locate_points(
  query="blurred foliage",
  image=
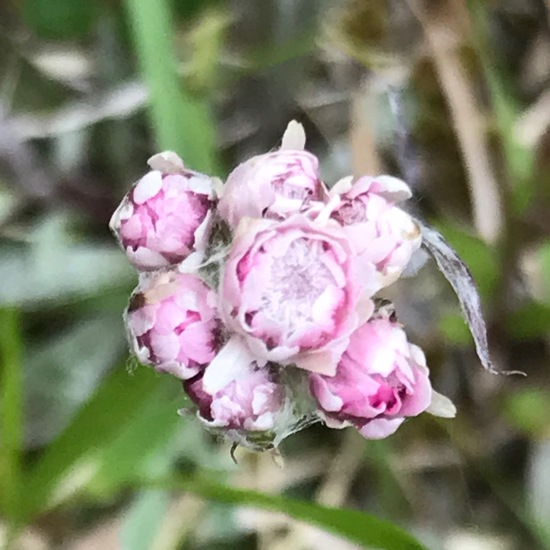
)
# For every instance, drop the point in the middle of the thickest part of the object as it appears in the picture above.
(93, 451)
(59, 19)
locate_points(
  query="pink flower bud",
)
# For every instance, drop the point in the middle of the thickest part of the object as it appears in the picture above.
(293, 289)
(251, 402)
(274, 185)
(379, 230)
(171, 323)
(166, 215)
(381, 379)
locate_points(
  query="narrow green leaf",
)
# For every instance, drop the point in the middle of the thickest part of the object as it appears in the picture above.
(75, 457)
(11, 411)
(144, 520)
(180, 121)
(69, 363)
(354, 525)
(146, 514)
(153, 424)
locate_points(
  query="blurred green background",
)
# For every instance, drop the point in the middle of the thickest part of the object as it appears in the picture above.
(93, 454)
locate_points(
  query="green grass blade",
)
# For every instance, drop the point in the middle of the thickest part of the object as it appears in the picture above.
(11, 412)
(75, 458)
(519, 159)
(356, 526)
(180, 121)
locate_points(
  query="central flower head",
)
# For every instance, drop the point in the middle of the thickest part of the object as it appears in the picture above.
(290, 287)
(304, 293)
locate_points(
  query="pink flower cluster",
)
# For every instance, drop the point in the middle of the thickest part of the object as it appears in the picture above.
(260, 294)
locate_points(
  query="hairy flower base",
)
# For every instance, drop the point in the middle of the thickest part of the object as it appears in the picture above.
(258, 409)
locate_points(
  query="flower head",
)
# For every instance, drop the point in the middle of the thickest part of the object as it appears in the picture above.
(378, 230)
(294, 288)
(274, 185)
(166, 215)
(251, 402)
(172, 324)
(381, 379)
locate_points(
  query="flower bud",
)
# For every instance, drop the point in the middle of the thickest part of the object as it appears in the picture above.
(380, 231)
(251, 402)
(274, 185)
(381, 379)
(166, 215)
(171, 323)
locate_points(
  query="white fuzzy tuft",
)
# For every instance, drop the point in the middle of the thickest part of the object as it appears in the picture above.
(166, 162)
(294, 137)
